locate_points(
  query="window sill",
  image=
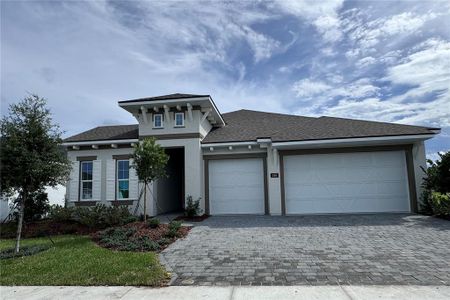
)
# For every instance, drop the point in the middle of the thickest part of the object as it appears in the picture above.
(179, 126)
(157, 127)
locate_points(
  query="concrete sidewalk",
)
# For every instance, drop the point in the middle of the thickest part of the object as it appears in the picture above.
(235, 293)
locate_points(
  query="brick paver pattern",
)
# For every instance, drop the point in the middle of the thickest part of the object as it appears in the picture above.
(313, 250)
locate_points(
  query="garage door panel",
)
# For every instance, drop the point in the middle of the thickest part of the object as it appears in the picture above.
(236, 186)
(346, 183)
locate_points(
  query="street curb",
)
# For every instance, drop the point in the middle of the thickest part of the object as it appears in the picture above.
(168, 268)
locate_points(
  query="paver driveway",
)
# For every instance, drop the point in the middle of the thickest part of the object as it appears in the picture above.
(350, 249)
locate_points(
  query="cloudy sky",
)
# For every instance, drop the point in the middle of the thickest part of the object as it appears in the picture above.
(383, 61)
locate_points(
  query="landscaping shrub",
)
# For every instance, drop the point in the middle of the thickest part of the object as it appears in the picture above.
(440, 204)
(436, 185)
(139, 236)
(153, 222)
(125, 239)
(192, 207)
(24, 251)
(60, 213)
(43, 228)
(174, 226)
(98, 216)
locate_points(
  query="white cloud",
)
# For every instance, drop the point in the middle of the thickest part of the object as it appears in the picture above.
(308, 88)
(405, 22)
(366, 61)
(427, 70)
(367, 34)
(322, 14)
(321, 92)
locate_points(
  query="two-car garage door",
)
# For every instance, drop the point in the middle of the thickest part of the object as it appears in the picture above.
(356, 182)
(346, 183)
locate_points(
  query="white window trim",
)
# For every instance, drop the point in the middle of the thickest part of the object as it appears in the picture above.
(117, 180)
(182, 118)
(85, 180)
(154, 121)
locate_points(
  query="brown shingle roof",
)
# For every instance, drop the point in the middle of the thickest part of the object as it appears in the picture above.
(118, 132)
(247, 125)
(165, 97)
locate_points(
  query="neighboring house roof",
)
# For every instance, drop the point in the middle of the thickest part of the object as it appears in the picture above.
(118, 132)
(166, 97)
(247, 125)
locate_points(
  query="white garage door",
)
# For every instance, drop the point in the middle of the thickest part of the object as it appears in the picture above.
(346, 183)
(236, 186)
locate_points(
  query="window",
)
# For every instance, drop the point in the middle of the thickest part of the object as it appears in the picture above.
(158, 121)
(179, 119)
(123, 179)
(86, 180)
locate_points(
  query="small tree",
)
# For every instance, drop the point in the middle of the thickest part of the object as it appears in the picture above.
(31, 155)
(150, 161)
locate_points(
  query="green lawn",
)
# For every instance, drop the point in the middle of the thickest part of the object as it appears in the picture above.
(76, 260)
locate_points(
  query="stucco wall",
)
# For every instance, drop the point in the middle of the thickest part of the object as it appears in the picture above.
(190, 126)
(104, 155)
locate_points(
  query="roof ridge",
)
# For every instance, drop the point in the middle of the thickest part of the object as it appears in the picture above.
(379, 122)
(268, 113)
(118, 125)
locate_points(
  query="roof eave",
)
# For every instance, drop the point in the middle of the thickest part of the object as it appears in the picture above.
(127, 104)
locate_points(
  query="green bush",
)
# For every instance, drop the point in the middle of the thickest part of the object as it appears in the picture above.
(24, 251)
(192, 207)
(98, 216)
(124, 239)
(436, 186)
(153, 223)
(60, 213)
(174, 226)
(441, 204)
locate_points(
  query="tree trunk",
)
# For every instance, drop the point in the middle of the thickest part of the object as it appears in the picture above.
(145, 202)
(19, 225)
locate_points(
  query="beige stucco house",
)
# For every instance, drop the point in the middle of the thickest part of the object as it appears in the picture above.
(250, 162)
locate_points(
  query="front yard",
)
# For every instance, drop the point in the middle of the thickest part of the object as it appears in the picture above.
(77, 260)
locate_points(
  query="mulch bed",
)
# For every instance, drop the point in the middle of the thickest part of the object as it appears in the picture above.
(192, 219)
(45, 228)
(155, 233)
(142, 230)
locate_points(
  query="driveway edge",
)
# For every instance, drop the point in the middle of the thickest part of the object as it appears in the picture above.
(165, 264)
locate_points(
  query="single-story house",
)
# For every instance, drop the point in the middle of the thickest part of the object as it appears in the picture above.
(250, 162)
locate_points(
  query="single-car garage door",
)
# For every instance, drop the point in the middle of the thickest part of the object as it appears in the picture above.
(355, 182)
(236, 186)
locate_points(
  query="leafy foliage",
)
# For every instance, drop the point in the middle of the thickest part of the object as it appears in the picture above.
(31, 154)
(36, 206)
(192, 207)
(153, 222)
(149, 160)
(174, 226)
(436, 185)
(124, 239)
(98, 216)
(441, 204)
